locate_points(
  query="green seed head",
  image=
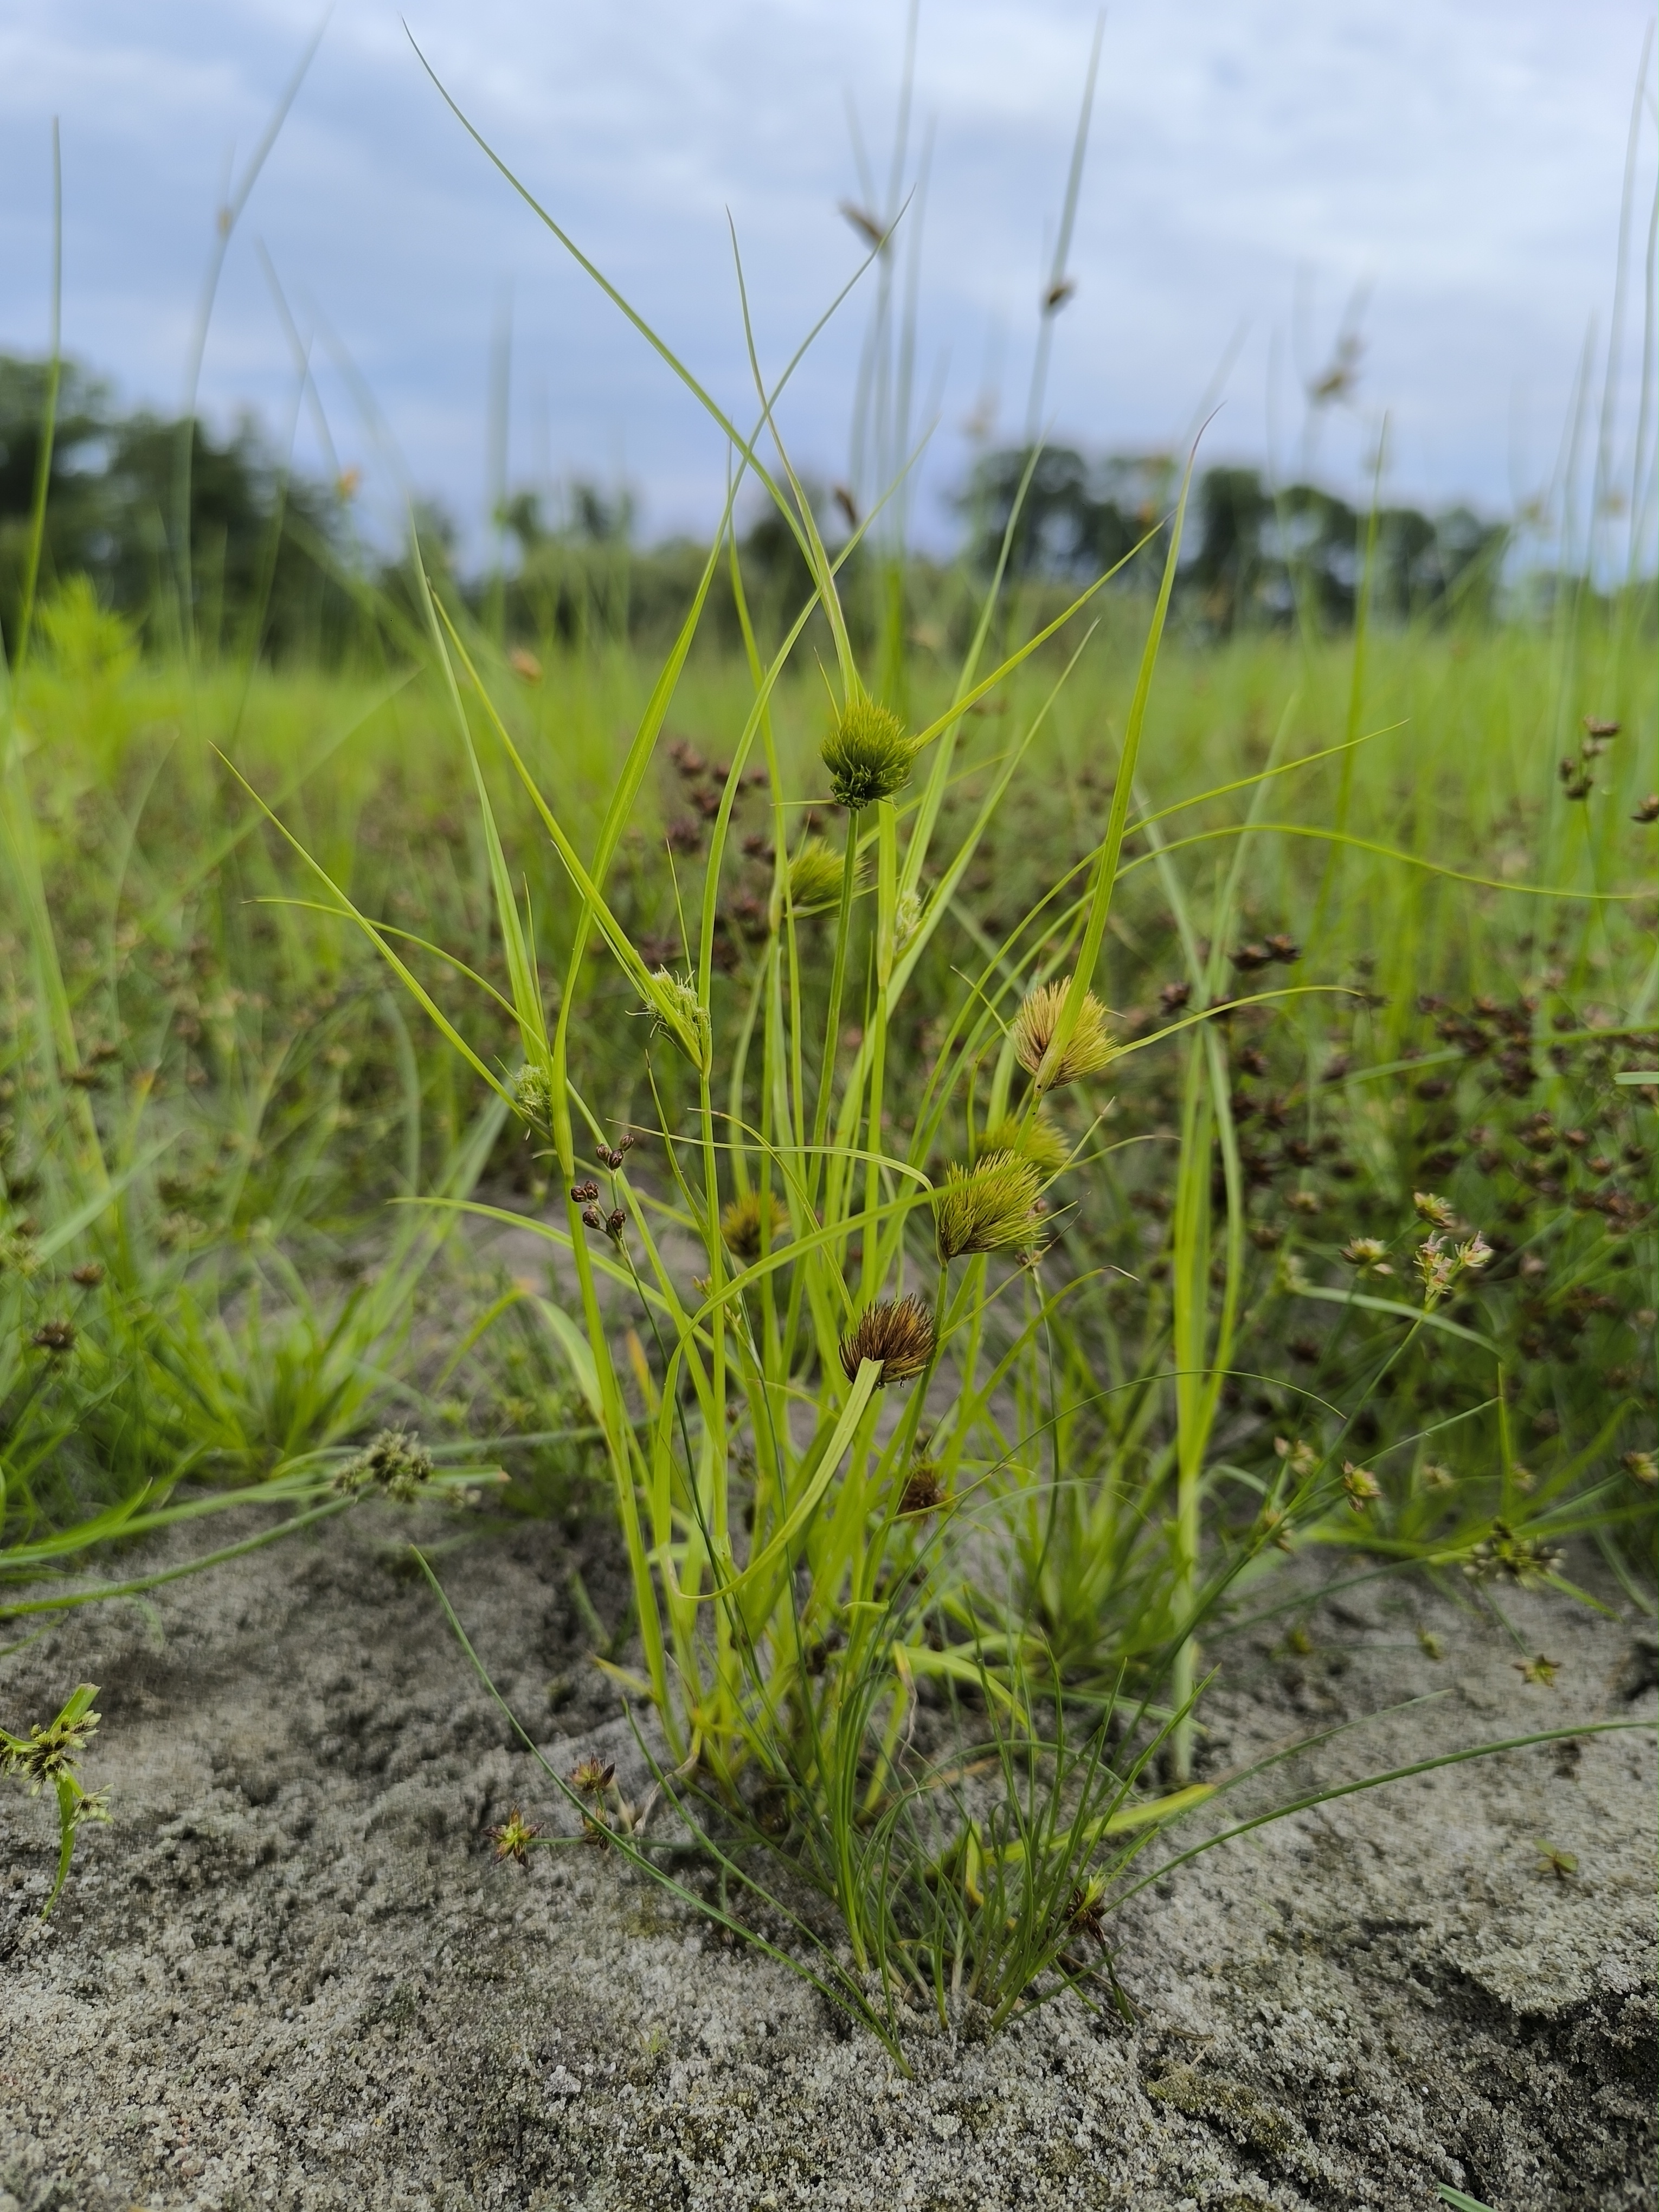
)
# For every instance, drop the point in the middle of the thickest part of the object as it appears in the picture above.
(689, 1023)
(532, 1096)
(815, 876)
(868, 755)
(989, 1208)
(1036, 1139)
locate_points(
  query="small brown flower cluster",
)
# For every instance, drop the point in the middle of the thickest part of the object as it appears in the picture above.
(1576, 781)
(923, 1492)
(1250, 957)
(594, 1780)
(705, 783)
(1489, 1028)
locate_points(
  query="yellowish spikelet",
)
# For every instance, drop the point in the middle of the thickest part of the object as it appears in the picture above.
(988, 1207)
(1089, 1048)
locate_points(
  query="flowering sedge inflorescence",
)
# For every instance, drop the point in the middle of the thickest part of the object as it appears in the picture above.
(991, 1207)
(748, 1224)
(868, 755)
(47, 1758)
(395, 1463)
(1033, 1137)
(680, 1013)
(513, 1837)
(897, 1334)
(1439, 1262)
(1088, 1049)
(814, 879)
(1528, 1561)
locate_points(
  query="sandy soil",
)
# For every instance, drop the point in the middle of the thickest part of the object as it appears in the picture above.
(291, 1974)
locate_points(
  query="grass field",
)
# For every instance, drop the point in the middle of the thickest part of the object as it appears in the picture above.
(1330, 1227)
(971, 1130)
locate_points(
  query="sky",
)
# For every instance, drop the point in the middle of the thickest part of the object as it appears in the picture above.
(1447, 174)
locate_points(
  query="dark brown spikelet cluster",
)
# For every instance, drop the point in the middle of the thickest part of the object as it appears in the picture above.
(1250, 958)
(897, 1334)
(923, 1492)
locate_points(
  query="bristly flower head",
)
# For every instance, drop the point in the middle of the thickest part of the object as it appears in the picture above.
(1528, 1561)
(1364, 1251)
(1436, 1210)
(54, 1338)
(988, 1207)
(868, 755)
(1361, 1485)
(815, 876)
(1089, 1050)
(687, 1024)
(745, 1223)
(395, 1462)
(897, 1334)
(1036, 1139)
(923, 1492)
(46, 1753)
(532, 1096)
(514, 1837)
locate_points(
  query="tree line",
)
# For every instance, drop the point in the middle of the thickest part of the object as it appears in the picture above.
(184, 531)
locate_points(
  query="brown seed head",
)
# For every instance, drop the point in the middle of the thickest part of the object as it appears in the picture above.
(897, 1334)
(922, 1492)
(746, 1223)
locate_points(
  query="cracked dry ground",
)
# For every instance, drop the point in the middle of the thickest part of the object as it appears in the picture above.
(290, 1973)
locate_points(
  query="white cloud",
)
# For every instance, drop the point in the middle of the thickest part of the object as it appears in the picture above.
(1462, 157)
